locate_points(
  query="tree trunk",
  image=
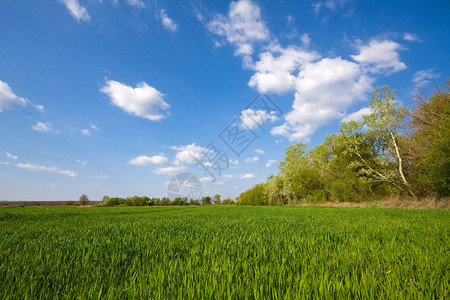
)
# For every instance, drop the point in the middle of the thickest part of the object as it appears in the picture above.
(400, 166)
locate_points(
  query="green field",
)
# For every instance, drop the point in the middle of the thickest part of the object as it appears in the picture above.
(224, 252)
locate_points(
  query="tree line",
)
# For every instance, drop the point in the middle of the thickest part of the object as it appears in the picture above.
(165, 201)
(392, 151)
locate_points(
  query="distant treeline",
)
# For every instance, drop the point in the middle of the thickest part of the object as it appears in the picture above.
(392, 151)
(146, 201)
(42, 203)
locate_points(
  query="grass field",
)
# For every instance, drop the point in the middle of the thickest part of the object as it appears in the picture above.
(224, 252)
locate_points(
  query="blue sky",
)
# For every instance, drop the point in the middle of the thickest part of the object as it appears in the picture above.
(114, 97)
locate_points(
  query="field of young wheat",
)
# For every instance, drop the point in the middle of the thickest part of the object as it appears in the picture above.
(223, 252)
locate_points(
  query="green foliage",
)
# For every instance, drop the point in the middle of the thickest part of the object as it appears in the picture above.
(216, 199)
(228, 201)
(254, 196)
(206, 200)
(165, 201)
(224, 252)
(429, 146)
(83, 200)
(370, 159)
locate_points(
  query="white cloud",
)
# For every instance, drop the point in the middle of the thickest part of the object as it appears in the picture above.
(247, 176)
(142, 101)
(44, 127)
(251, 119)
(306, 40)
(259, 151)
(169, 170)
(93, 127)
(136, 3)
(234, 161)
(324, 91)
(8, 99)
(103, 177)
(275, 68)
(332, 5)
(206, 179)
(188, 153)
(242, 27)
(167, 22)
(76, 10)
(252, 159)
(86, 132)
(220, 183)
(228, 176)
(39, 107)
(323, 87)
(270, 162)
(380, 56)
(411, 37)
(81, 162)
(357, 115)
(143, 160)
(10, 156)
(35, 167)
(423, 77)
(6, 163)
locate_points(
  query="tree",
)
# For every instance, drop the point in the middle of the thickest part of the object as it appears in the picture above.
(105, 198)
(375, 140)
(165, 201)
(216, 199)
(83, 199)
(206, 200)
(429, 144)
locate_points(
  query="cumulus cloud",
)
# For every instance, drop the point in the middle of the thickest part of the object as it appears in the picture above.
(142, 101)
(8, 99)
(76, 10)
(103, 177)
(324, 90)
(86, 132)
(10, 156)
(423, 77)
(380, 56)
(259, 151)
(270, 162)
(167, 22)
(252, 118)
(242, 27)
(169, 170)
(305, 39)
(234, 162)
(357, 115)
(228, 176)
(188, 153)
(5, 163)
(247, 176)
(35, 167)
(44, 127)
(252, 159)
(143, 160)
(274, 72)
(411, 37)
(323, 87)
